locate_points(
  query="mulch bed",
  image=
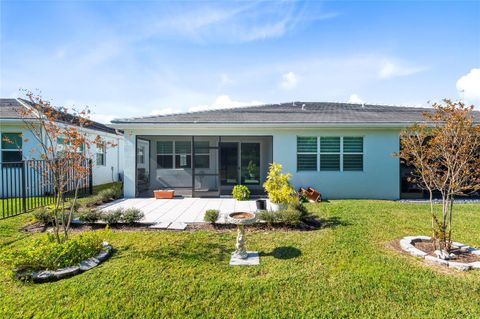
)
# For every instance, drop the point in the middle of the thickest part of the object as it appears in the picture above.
(308, 224)
(462, 256)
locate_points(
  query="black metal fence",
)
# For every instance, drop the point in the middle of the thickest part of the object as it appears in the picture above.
(27, 185)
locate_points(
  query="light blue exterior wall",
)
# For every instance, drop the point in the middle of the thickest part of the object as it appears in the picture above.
(101, 174)
(380, 178)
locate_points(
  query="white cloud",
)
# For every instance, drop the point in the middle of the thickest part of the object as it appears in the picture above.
(225, 79)
(237, 22)
(102, 118)
(390, 69)
(355, 99)
(164, 111)
(223, 102)
(289, 81)
(468, 86)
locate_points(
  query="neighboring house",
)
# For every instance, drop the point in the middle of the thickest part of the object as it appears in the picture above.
(107, 162)
(342, 150)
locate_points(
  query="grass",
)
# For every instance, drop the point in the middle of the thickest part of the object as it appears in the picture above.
(343, 270)
(12, 206)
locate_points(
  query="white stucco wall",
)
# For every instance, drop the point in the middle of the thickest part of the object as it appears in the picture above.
(379, 179)
(101, 174)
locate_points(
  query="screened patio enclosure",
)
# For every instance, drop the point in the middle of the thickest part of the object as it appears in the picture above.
(201, 166)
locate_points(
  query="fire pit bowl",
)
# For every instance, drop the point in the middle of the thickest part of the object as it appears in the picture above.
(241, 219)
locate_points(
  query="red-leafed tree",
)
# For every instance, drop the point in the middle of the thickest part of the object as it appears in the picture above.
(445, 153)
(64, 146)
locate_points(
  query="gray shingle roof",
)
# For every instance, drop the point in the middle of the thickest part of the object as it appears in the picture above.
(297, 112)
(10, 108)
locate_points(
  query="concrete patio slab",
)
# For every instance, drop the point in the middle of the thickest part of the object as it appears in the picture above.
(161, 212)
(162, 225)
(177, 226)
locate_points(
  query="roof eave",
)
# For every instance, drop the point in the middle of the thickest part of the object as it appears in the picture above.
(150, 125)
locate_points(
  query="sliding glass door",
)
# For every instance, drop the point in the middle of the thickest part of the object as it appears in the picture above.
(239, 163)
(250, 163)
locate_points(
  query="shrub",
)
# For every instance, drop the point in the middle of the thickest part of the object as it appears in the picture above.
(241, 192)
(278, 186)
(132, 215)
(113, 216)
(108, 194)
(94, 201)
(88, 215)
(211, 215)
(302, 209)
(267, 216)
(46, 253)
(43, 215)
(291, 217)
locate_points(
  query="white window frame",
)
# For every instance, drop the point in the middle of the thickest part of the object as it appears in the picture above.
(186, 154)
(309, 153)
(341, 153)
(353, 153)
(330, 153)
(165, 154)
(204, 153)
(8, 149)
(103, 152)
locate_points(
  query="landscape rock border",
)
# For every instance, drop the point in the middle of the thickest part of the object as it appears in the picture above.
(406, 243)
(50, 275)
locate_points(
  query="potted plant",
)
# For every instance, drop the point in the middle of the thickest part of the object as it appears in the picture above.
(280, 192)
(164, 194)
(240, 192)
(252, 169)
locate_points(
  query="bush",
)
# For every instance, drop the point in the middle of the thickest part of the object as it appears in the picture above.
(113, 216)
(241, 192)
(94, 201)
(132, 215)
(47, 254)
(291, 217)
(88, 215)
(43, 215)
(211, 215)
(278, 186)
(108, 194)
(267, 216)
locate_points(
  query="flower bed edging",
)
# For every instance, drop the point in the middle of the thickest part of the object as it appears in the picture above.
(50, 275)
(406, 243)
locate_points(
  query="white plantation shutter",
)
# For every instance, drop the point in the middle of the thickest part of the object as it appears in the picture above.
(307, 152)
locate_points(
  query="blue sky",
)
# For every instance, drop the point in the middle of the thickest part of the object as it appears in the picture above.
(138, 58)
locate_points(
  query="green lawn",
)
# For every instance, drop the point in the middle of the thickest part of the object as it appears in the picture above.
(13, 206)
(343, 270)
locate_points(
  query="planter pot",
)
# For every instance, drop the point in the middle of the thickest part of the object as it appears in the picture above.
(261, 204)
(274, 207)
(163, 194)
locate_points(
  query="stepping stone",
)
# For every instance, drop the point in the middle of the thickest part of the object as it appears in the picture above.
(177, 226)
(252, 259)
(161, 225)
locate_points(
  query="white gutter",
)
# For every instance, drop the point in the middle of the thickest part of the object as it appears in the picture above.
(260, 125)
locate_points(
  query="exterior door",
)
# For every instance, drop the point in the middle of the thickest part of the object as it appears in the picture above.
(229, 163)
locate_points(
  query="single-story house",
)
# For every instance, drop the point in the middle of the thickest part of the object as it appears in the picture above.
(107, 162)
(343, 150)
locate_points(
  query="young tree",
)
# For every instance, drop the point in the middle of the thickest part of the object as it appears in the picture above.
(64, 146)
(445, 154)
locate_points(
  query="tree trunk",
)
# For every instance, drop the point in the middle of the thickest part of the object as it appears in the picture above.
(432, 214)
